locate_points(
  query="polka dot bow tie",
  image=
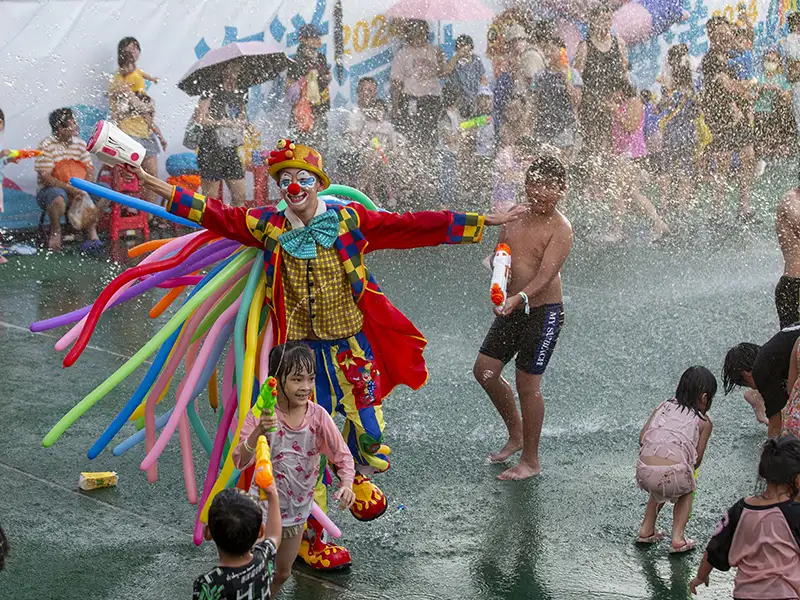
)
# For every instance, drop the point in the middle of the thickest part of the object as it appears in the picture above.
(302, 243)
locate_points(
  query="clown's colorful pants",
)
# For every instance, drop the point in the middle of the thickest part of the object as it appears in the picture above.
(345, 385)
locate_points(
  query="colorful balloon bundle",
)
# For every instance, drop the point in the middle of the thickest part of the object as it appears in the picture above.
(227, 303)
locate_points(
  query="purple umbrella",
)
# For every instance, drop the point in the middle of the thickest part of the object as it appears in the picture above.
(260, 62)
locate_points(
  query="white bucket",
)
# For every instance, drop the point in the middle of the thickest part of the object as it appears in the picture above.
(114, 147)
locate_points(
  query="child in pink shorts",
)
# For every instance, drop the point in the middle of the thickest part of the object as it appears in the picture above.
(672, 444)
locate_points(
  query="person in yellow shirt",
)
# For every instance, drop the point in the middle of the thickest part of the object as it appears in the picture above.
(131, 111)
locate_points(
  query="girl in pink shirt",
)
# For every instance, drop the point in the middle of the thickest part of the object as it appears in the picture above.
(760, 535)
(627, 132)
(303, 432)
(672, 444)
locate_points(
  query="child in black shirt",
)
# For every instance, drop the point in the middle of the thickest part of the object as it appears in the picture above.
(235, 523)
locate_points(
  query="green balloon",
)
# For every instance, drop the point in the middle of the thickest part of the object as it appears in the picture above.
(139, 423)
(346, 192)
(149, 348)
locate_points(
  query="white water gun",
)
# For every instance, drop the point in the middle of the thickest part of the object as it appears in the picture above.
(114, 147)
(500, 273)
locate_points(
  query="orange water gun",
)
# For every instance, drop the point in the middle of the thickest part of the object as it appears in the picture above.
(22, 154)
(565, 63)
(264, 477)
(500, 273)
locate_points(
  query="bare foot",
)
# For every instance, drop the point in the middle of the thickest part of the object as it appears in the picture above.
(520, 472)
(54, 242)
(756, 402)
(507, 451)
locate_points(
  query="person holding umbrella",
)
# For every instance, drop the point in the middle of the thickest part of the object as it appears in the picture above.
(222, 114)
(307, 82)
(221, 79)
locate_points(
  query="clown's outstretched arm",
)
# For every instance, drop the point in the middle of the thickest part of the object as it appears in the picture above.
(233, 222)
(385, 230)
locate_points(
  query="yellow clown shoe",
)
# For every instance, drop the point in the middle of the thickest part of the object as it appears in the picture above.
(370, 501)
(318, 554)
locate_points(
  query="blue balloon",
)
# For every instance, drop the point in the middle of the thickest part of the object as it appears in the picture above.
(143, 205)
(138, 437)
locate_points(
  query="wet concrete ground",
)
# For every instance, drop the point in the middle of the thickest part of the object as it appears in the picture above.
(636, 317)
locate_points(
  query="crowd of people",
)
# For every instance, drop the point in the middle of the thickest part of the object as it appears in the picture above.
(450, 134)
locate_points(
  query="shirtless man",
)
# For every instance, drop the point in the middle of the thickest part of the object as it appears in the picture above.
(787, 226)
(528, 324)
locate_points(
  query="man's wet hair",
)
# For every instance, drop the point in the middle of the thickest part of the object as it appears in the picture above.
(59, 118)
(738, 360)
(547, 169)
(234, 521)
(364, 80)
(695, 382)
(780, 461)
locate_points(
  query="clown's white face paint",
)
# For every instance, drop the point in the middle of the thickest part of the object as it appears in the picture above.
(299, 189)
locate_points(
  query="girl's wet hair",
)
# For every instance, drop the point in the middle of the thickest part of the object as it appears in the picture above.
(780, 462)
(291, 357)
(695, 382)
(739, 359)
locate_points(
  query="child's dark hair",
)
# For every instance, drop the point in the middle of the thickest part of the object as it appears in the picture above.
(234, 521)
(780, 461)
(59, 118)
(123, 55)
(546, 169)
(695, 382)
(739, 359)
(794, 22)
(4, 548)
(291, 357)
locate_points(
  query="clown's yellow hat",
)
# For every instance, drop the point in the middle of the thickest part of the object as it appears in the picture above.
(296, 156)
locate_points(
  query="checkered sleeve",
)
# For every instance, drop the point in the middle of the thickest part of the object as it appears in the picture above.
(465, 228)
(385, 230)
(247, 226)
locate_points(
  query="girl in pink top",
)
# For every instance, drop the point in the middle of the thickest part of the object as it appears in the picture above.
(760, 535)
(672, 444)
(627, 131)
(303, 431)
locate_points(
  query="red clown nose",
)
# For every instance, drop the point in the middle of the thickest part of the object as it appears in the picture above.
(294, 188)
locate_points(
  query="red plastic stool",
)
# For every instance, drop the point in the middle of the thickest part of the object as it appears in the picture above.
(117, 222)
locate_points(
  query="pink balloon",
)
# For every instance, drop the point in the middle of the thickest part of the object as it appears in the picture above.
(229, 409)
(269, 342)
(185, 436)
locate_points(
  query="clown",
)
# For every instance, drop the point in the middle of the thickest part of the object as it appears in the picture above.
(319, 291)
